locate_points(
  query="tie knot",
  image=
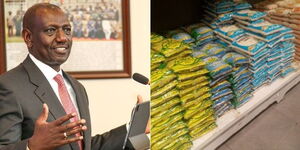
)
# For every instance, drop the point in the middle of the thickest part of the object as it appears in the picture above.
(59, 79)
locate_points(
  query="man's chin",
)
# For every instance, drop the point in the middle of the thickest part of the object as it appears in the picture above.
(57, 62)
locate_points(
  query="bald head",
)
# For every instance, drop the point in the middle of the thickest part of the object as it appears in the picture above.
(35, 10)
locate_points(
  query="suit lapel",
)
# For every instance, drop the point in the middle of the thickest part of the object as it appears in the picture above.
(44, 91)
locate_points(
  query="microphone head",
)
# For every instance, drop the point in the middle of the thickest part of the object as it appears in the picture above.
(140, 78)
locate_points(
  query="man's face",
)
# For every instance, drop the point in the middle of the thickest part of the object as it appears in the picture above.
(51, 37)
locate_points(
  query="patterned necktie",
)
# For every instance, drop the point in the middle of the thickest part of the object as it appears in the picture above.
(67, 102)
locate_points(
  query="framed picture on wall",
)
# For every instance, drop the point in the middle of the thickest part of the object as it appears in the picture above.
(101, 36)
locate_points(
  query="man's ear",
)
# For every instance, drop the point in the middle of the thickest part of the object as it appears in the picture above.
(27, 36)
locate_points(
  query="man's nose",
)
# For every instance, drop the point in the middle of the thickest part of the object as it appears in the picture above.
(61, 36)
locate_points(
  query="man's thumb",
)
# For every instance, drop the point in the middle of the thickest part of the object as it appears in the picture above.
(139, 99)
(44, 115)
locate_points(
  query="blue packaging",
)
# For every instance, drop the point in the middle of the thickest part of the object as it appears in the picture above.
(185, 37)
(249, 15)
(230, 32)
(220, 86)
(248, 45)
(242, 6)
(234, 59)
(218, 69)
(221, 93)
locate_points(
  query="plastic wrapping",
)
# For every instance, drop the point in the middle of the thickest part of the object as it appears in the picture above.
(216, 51)
(204, 115)
(164, 98)
(205, 39)
(222, 100)
(199, 54)
(242, 75)
(163, 90)
(230, 32)
(248, 22)
(188, 94)
(156, 38)
(220, 79)
(180, 55)
(248, 45)
(287, 71)
(263, 53)
(189, 113)
(187, 64)
(246, 90)
(223, 18)
(249, 15)
(242, 6)
(221, 93)
(183, 36)
(192, 82)
(238, 69)
(234, 59)
(275, 56)
(161, 77)
(206, 47)
(199, 88)
(167, 131)
(243, 100)
(158, 126)
(168, 139)
(156, 57)
(181, 143)
(223, 109)
(272, 39)
(190, 100)
(197, 132)
(220, 86)
(169, 47)
(191, 75)
(200, 32)
(265, 28)
(242, 83)
(218, 69)
(165, 114)
(190, 28)
(256, 65)
(165, 106)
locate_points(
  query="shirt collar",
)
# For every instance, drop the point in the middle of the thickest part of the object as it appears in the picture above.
(48, 72)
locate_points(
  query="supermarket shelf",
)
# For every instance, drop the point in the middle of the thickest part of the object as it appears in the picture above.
(233, 120)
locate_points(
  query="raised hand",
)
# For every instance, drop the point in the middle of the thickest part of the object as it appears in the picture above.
(50, 135)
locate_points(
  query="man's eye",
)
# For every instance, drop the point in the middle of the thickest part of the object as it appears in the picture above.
(50, 31)
(67, 31)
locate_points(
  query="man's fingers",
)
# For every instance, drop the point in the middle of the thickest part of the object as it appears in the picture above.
(139, 99)
(63, 119)
(71, 140)
(75, 130)
(44, 115)
(67, 127)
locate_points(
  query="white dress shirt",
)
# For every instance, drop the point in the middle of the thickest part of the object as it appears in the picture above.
(50, 73)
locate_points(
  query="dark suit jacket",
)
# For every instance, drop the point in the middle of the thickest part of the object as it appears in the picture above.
(23, 90)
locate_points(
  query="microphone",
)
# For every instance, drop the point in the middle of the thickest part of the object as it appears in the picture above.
(140, 78)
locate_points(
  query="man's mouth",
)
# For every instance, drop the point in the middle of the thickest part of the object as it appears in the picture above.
(61, 50)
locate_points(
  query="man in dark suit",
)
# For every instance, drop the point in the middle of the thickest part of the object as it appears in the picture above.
(37, 111)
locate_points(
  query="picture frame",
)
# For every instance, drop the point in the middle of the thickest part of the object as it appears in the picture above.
(109, 57)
